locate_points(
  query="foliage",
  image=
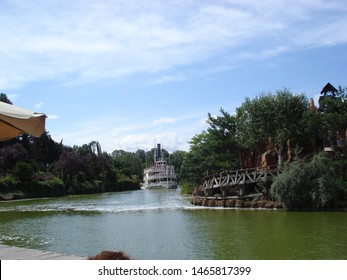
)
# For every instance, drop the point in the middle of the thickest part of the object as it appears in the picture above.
(10, 156)
(176, 159)
(128, 163)
(80, 170)
(187, 187)
(199, 162)
(333, 120)
(223, 137)
(316, 183)
(4, 98)
(24, 171)
(41, 166)
(7, 183)
(50, 188)
(126, 184)
(273, 118)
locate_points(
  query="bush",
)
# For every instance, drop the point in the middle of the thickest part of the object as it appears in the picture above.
(316, 184)
(85, 187)
(124, 185)
(292, 187)
(7, 184)
(187, 188)
(50, 188)
(24, 171)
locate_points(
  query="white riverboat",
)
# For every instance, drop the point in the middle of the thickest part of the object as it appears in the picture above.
(161, 175)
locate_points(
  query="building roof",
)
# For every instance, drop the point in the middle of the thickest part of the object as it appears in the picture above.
(329, 88)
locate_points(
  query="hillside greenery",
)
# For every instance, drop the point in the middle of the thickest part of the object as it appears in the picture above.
(284, 123)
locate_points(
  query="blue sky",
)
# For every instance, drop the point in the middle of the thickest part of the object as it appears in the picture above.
(130, 74)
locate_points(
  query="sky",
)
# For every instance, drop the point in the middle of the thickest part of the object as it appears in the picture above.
(130, 74)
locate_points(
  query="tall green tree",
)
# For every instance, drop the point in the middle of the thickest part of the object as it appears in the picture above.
(176, 159)
(271, 118)
(223, 136)
(329, 123)
(199, 161)
(333, 120)
(128, 163)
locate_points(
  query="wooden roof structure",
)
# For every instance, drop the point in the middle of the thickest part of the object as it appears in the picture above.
(329, 88)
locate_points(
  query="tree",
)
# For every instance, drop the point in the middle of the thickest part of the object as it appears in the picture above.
(128, 163)
(4, 98)
(223, 133)
(199, 161)
(333, 120)
(176, 159)
(329, 123)
(10, 156)
(271, 118)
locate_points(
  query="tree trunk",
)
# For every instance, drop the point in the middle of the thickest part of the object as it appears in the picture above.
(279, 155)
(289, 151)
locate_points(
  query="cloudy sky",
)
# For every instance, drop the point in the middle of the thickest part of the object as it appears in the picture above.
(131, 73)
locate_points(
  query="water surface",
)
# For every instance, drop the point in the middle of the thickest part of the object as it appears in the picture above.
(161, 224)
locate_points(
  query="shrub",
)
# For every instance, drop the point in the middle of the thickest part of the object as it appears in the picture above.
(317, 183)
(24, 171)
(187, 188)
(124, 184)
(50, 188)
(7, 183)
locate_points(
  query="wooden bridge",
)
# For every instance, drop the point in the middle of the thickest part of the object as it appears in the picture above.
(237, 179)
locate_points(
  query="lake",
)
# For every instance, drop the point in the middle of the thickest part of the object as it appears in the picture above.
(162, 224)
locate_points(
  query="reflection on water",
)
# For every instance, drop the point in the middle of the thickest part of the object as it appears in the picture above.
(161, 224)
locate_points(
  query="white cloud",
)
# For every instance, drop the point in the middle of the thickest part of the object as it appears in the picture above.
(39, 105)
(81, 41)
(164, 121)
(121, 133)
(167, 79)
(53, 117)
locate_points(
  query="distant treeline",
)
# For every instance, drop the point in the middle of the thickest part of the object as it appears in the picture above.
(40, 167)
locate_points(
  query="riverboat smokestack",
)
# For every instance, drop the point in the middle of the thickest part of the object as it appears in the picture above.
(159, 152)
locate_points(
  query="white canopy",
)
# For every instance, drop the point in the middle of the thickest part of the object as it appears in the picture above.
(15, 120)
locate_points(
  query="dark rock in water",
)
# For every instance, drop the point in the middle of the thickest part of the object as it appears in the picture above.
(239, 203)
(269, 204)
(211, 203)
(254, 204)
(247, 204)
(220, 203)
(230, 203)
(12, 195)
(279, 205)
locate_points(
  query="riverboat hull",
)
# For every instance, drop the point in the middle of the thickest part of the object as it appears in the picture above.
(162, 185)
(161, 175)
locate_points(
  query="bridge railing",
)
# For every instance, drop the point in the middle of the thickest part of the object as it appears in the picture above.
(240, 177)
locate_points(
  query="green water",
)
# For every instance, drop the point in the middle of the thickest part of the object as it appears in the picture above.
(150, 224)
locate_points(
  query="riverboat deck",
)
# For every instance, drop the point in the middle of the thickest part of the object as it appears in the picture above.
(16, 253)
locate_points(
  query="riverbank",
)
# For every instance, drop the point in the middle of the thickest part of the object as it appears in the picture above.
(236, 202)
(41, 190)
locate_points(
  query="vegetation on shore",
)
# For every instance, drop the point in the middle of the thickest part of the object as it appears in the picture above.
(40, 167)
(274, 128)
(282, 129)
